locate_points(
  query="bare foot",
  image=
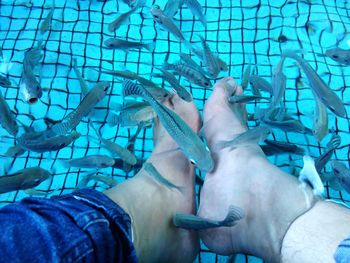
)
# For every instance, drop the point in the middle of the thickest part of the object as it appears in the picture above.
(152, 206)
(242, 177)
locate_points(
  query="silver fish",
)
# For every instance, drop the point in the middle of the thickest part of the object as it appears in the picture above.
(209, 59)
(95, 95)
(320, 88)
(23, 179)
(339, 55)
(310, 175)
(333, 144)
(153, 172)
(91, 161)
(45, 25)
(192, 222)
(48, 144)
(168, 24)
(83, 85)
(276, 147)
(118, 150)
(245, 77)
(189, 73)
(121, 19)
(107, 180)
(286, 125)
(132, 114)
(251, 136)
(190, 62)
(197, 10)
(320, 123)
(342, 173)
(170, 78)
(117, 43)
(259, 83)
(7, 118)
(14, 151)
(278, 83)
(187, 140)
(30, 86)
(171, 7)
(245, 98)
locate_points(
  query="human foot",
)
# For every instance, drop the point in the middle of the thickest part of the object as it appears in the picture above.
(152, 206)
(244, 177)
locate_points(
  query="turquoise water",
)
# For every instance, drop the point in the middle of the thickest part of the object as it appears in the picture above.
(242, 33)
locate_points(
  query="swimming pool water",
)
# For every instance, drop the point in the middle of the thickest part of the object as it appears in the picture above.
(242, 32)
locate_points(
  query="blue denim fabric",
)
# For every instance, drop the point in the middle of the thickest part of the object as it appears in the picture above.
(84, 226)
(342, 254)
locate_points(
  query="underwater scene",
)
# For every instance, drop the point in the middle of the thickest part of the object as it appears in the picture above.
(83, 81)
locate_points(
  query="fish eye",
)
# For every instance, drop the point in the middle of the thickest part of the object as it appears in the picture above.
(206, 83)
(192, 162)
(335, 56)
(156, 6)
(155, 16)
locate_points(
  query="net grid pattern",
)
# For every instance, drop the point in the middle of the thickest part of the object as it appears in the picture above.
(242, 33)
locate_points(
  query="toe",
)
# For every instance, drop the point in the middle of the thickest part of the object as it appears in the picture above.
(222, 120)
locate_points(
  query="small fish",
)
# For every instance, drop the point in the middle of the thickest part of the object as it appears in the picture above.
(190, 62)
(153, 172)
(251, 136)
(209, 59)
(339, 55)
(45, 25)
(320, 88)
(23, 179)
(197, 10)
(107, 180)
(189, 73)
(91, 161)
(332, 145)
(277, 147)
(187, 140)
(83, 85)
(285, 125)
(192, 222)
(245, 77)
(171, 7)
(117, 43)
(180, 91)
(5, 82)
(310, 175)
(132, 114)
(118, 150)
(245, 98)
(7, 118)
(159, 93)
(122, 19)
(259, 83)
(278, 81)
(320, 123)
(342, 173)
(14, 151)
(168, 24)
(48, 144)
(95, 95)
(30, 86)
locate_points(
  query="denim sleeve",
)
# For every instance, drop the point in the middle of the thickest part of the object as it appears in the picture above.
(82, 226)
(342, 254)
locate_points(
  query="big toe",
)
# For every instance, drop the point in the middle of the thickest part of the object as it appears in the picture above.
(223, 120)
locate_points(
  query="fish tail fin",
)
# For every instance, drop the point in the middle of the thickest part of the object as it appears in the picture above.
(151, 46)
(131, 88)
(234, 214)
(113, 119)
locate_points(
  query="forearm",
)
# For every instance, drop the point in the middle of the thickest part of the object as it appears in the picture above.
(314, 236)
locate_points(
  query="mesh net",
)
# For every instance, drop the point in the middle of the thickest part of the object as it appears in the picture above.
(242, 32)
